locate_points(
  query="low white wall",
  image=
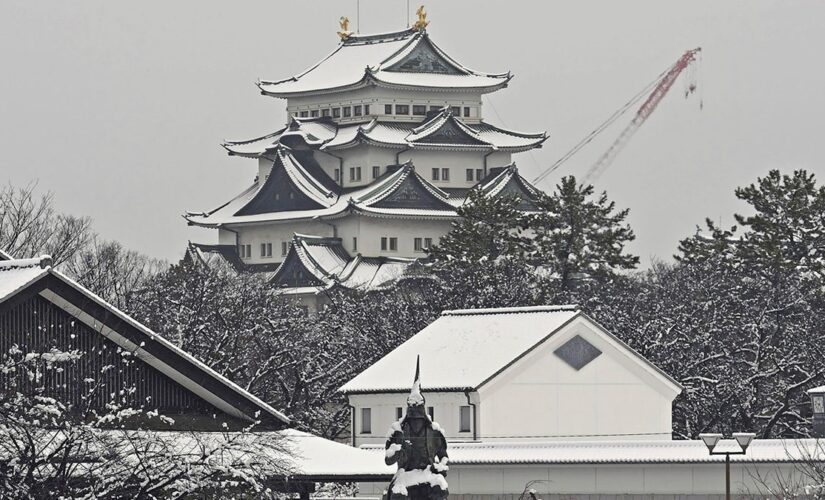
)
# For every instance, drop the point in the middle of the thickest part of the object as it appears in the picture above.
(654, 481)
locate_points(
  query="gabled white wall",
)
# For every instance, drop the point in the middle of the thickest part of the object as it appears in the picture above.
(612, 397)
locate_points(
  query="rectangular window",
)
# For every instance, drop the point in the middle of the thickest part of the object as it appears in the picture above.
(455, 110)
(241, 251)
(366, 109)
(266, 249)
(314, 113)
(464, 419)
(383, 243)
(304, 114)
(431, 413)
(376, 172)
(354, 244)
(284, 248)
(325, 112)
(419, 109)
(435, 108)
(435, 174)
(249, 250)
(466, 111)
(357, 173)
(428, 243)
(393, 244)
(263, 249)
(387, 109)
(479, 174)
(356, 110)
(402, 109)
(337, 175)
(336, 112)
(347, 111)
(366, 421)
(417, 244)
(352, 173)
(469, 175)
(399, 413)
(445, 174)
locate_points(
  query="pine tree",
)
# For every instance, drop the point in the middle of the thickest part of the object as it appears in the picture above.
(489, 228)
(579, 236)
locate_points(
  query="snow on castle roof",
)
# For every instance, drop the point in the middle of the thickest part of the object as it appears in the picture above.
(402, 59)
(463, 349)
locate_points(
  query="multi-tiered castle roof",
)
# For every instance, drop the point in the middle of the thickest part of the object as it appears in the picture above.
(385, 138)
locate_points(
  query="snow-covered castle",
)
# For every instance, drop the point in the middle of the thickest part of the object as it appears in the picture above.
(385, 137)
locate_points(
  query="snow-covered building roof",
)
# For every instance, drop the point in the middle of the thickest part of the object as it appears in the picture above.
(401, 191)
(406, 59)
(23, 278)
(223, 257)
(315, 264)
(625, 452)
(465, 349)
(439, 130)
(287, 195)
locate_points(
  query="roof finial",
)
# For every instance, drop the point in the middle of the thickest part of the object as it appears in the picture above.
(422, 19)
(415, 398)
(345, 32)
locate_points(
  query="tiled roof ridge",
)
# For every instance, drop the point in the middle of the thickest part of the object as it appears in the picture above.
(512, 310)
(389, 36)
(43, 262)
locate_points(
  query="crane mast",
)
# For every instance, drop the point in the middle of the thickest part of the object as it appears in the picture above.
(644, 112)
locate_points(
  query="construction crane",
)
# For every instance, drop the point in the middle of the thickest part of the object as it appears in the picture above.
(660, 87)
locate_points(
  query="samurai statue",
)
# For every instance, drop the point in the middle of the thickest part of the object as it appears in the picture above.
(418, 446)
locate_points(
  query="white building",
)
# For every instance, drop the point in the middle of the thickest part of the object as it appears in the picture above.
(529, 373)
(385, 137)
(545, 398)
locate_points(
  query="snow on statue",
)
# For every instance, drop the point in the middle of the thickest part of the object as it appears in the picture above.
(418, 446)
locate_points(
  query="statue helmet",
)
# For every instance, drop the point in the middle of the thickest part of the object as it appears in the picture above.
(415, 401)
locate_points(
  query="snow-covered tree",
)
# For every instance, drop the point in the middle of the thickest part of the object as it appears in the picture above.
(577, 235)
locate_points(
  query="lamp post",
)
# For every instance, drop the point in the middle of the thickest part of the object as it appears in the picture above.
(743, 439)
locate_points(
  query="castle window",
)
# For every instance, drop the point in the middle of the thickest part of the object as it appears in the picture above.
(337, 175)
(354, 244)
(347, 111)
(399, 413)
(325, 112)
(336, 112)
(376, 172)
(284, 248)
(393, 244)
(466, 111)
(434, 108)
(384, 243)
(431, 413)
(417, 245)
(314, 113)
(355, 173)
(419, 109)
(479, 174)
(435, 174)
(266, 249)
(387, 109)
(245, 251)
(402, 109)
(304, 114)
(356, 110)
(428, 243)
(366, 109)
(455, 110)
(469, 175)
(445, 174)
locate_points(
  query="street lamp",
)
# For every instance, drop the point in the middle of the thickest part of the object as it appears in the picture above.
(743, 439)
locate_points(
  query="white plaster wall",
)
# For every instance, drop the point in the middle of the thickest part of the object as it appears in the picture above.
(695, 481)
(445, 407)
(377, 97)
(457, 161)
(363, 156)
(226, 237)
(369, 231)
(276, 234)
(543, 397)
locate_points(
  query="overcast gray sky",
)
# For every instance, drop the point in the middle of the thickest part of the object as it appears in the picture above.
(120, 108)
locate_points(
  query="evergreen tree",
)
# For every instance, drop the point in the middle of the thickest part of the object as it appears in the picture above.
(719, 245)
(489, 228)
(577, 235)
